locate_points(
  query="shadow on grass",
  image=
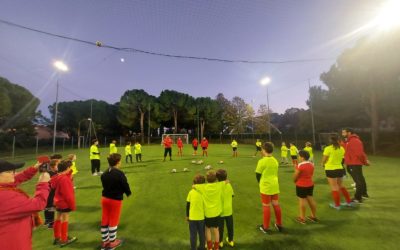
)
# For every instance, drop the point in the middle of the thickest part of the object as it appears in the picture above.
(85, 245)
(320, 181)
(89, 208)
(156, 243)
(89, 187)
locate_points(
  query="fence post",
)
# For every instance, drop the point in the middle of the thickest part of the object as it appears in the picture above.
(72, 142)
(105, 140)
(13, 148)
(120, 141)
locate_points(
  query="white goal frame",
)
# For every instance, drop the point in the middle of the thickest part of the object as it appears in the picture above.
(174, 137)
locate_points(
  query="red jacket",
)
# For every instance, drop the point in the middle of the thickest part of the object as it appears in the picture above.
(64, 196)
(167, 142)
(16, 212)
(195, 142)
(354, 152)
(204, 143)
(180, 143)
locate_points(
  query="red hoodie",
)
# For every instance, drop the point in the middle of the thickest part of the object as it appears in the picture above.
(354, 154)
(64, 197)
(204, 143)
(16, 211)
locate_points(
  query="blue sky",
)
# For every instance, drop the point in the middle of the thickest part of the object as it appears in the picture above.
(249, 30)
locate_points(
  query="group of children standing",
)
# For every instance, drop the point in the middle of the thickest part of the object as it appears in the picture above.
(61, 199)
(209, 207)
(294, 152)
(209, 202)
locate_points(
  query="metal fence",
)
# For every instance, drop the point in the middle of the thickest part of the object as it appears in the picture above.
(12, 146)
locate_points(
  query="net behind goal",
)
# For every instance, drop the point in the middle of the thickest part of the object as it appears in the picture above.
(174, 137)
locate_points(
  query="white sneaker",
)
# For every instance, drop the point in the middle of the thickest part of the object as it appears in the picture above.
(94, 174)
(353, 184)
(99, 173)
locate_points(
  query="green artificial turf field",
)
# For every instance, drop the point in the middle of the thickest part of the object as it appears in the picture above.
(154, 216)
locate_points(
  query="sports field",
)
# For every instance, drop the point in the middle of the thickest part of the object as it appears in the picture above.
(154, 216)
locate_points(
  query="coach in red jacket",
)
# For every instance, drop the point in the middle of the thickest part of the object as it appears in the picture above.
(17, 210)
(355, 158)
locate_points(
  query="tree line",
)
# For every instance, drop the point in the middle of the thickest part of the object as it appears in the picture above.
(361, 90)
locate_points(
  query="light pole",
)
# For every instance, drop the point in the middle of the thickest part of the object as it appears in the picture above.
(61, 67)
(79, 131)
(265, 81)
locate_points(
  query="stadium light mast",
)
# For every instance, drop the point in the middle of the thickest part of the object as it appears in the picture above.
(60, 67)
(265, 81)
(388, 16)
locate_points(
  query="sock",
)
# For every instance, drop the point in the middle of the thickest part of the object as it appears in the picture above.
(278, 214)
(209, 245)
(57, 229)
(113, 233)
(346, 194)
(216, 245)
(104, 233)
(336, 198)
(64, 231)
(267, 216)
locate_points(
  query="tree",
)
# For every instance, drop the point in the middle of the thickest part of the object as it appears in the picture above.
(226, 112)
(261, 121)
(175, 104)
(368, 76)
(208, 114)
(242, 115)
(103, 115)
(17, 106)
(134, 103)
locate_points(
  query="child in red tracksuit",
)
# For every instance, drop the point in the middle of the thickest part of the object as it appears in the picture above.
(64, 201)
(115, 185)
(179, 143)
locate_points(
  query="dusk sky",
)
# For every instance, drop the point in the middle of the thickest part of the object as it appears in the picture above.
(269, 30)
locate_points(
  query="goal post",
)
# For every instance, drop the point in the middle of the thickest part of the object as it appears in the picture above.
(174, 137)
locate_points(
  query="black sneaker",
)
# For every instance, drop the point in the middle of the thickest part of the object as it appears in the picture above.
(56, 242)
(365, 196)
(279, 228)
(68, 241)
(262, 229)
(356, 201)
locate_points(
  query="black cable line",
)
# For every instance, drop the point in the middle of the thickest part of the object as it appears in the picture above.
(134, 50)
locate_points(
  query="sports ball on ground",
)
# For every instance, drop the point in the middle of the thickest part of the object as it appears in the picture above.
(173, 170)
(221, 162)
(208, 167)
(185, 170)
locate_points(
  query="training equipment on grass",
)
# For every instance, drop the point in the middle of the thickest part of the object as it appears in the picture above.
(174, 137)
(185, 170)
(208, 167)
(173, 170)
